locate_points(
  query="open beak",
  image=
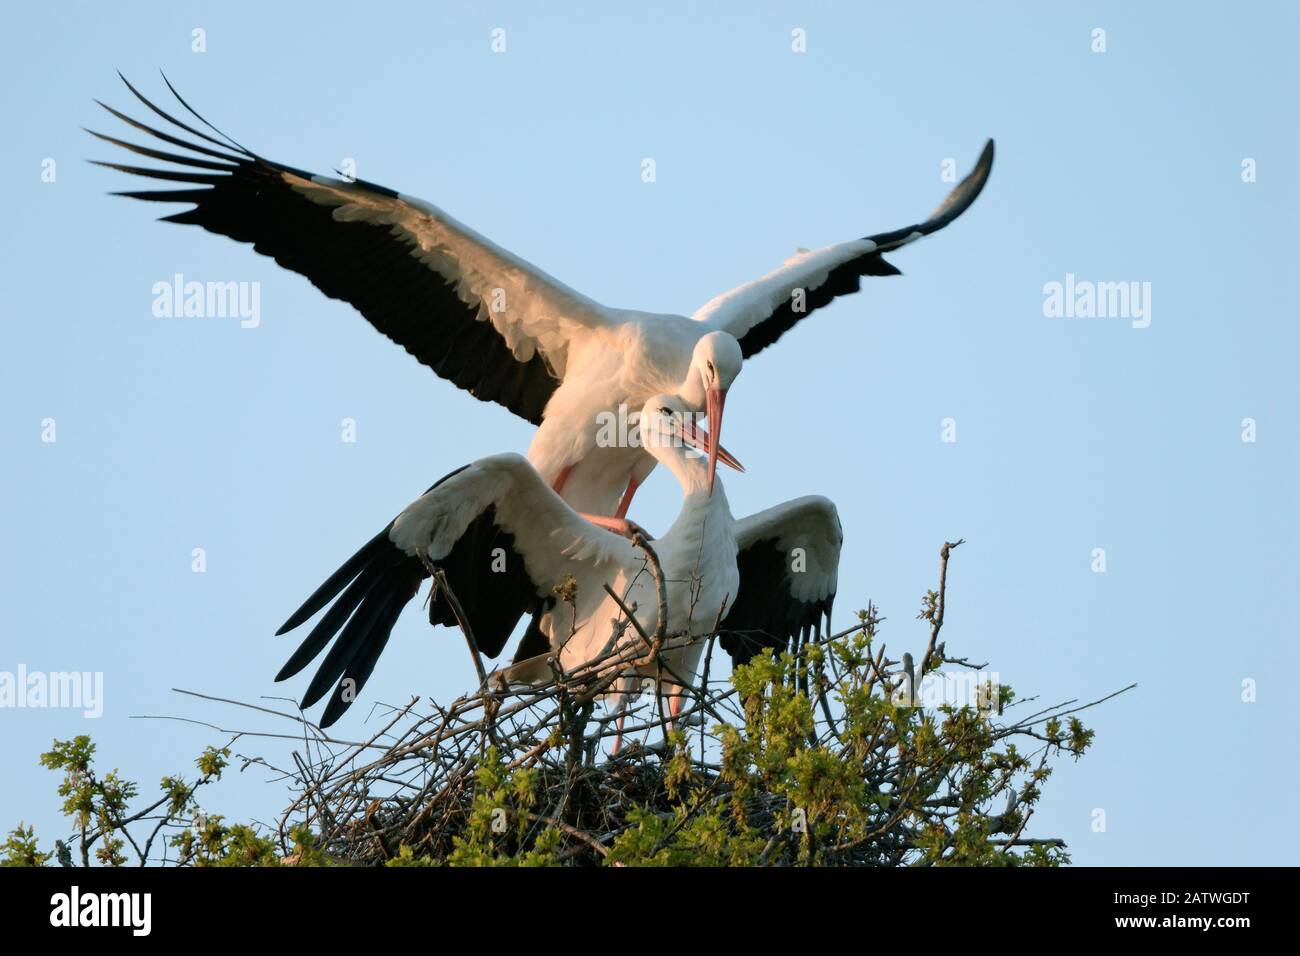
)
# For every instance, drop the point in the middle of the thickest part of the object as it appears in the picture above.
(698, 438)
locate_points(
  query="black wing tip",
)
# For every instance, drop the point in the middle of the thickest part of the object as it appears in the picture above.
(336, 706)
(228, 143)
(285, 673)
(954, 204)
(296, 620)
(300, 617)
(358, 645)
(315, 691)
(980, 174)
(122, 76)
(368, 594)
(343, 576)
(965, 192)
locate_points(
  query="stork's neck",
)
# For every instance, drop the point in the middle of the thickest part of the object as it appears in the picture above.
(691, 390)
(705, 523)
(692, 472)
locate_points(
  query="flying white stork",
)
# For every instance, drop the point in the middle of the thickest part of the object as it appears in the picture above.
(710, 564)
(492, 323)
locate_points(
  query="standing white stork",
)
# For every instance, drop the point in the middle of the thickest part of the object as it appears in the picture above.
(701, 556)
(492, 323)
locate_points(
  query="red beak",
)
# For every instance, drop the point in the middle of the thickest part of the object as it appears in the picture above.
(700, 439)
(714, 399)
(694, 436)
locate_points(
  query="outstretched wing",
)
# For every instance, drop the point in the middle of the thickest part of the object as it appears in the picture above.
(477, 315)
(789, 558)
(760, 312)
(503, 538)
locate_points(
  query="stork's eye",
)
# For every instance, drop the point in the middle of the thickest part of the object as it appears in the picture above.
(712, 373)
(666, 411)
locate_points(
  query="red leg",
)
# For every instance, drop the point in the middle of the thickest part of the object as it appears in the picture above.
(675, 704)
(558, 487)
(617, 525)
(676, 700)
(618, 737)
(632, 486)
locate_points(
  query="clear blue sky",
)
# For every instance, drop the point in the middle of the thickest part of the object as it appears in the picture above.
(1072, 434)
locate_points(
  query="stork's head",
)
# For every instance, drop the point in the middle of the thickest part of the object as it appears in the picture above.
(715, 363)
(669, 433)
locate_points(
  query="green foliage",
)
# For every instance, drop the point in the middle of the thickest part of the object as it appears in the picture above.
(499, 820)
(99, 809)
(210, 842)
(406, 857)
(813, 757)
(895, 785)
(20, 849)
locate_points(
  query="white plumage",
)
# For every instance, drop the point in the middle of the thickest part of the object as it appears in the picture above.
(493, 323)
(792, 551)
(507, 332)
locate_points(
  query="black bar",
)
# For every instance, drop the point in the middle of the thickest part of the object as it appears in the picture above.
(941, 906)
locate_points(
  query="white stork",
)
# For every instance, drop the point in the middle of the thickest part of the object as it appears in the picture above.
(710, 563)
(492, 323)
